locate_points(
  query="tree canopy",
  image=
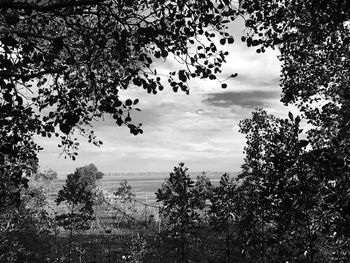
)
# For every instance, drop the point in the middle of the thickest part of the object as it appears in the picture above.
(313, 39)
(63, 64)
(77, 196)
(179, 203)
(89, 175)
(124, 192)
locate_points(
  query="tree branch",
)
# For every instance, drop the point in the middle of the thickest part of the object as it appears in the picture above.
(47, 8)
(9, 74)
(26, 34)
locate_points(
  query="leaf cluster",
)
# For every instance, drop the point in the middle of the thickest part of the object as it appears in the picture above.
(78, 198)
(124, 192)
(178, 201)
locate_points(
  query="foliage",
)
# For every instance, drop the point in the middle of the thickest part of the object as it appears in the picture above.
(178, 203)
(223, 208)
(27, 236)
(124, 192)
(89, 175)
(179, 206)
(313, 38)
(78, 199)
(203, 190)
(138, 249)
(99, 197)
(11, 183)
(46, 175)
(17, 154)
(25, 230)
(280, 198)
(223, 201)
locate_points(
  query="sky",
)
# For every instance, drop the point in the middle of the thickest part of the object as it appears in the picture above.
(199, 129)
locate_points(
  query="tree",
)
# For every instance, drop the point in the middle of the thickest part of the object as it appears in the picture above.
(25, 232)
(177, 199)
(223, 208)
(313, 38)
(46, 175)
(280, 197)
(124, 192)
(89, 175)
(203, 188)
(179, 205)
(79, 203)
(78, 198)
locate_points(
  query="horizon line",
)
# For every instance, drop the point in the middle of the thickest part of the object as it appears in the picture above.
(124, 172)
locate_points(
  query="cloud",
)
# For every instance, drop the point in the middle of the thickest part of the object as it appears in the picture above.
(247, 100)
(258, 82)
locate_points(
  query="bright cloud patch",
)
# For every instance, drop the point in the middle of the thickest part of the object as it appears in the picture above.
(248, 99)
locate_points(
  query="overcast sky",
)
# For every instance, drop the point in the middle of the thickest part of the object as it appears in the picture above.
(200, 129)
